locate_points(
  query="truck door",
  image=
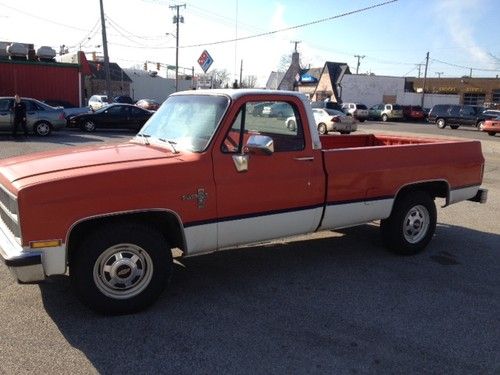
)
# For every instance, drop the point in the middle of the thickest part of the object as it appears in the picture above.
(467, 115)
(261, 196)
(6, 115)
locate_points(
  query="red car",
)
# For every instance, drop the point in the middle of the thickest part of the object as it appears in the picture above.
(413, 112)
(491, 126)
(148, 104)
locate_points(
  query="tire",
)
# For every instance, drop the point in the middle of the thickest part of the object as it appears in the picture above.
(480, 125)
(441, 123)
(88, 126)
(121, 268)
(322, 129)
(42, 128)
(411, 225)
(362, 120)
(291, 125)
(385, 118)
(344, 132)
(454, 127)
(492, 133)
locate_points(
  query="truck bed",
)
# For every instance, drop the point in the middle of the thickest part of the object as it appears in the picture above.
(369, 170)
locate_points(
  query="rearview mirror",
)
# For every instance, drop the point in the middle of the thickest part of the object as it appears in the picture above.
(260, 145)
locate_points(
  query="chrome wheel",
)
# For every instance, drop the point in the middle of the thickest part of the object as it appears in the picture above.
(42, 129)
(480, 125)
(416, 224)
(322, 129)
(89, 126)
(441, 123)
(123, 271)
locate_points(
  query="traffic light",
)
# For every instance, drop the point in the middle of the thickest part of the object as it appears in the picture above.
(146, 65)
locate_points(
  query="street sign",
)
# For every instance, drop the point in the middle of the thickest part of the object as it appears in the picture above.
(205, 60)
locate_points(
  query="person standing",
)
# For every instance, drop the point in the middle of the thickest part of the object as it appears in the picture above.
(19, 116)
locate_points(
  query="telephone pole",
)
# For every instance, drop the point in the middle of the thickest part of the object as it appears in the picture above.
(425, 78)
(296, 42)
(439, 74)
(359, 57)
(419, 66)
(177, 19)
(106, 56)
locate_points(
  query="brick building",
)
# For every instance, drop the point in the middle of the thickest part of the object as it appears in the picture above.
(472, 90)
(95, 83)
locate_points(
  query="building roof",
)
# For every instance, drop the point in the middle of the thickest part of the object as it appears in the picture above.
(116, 73)
(274, 80)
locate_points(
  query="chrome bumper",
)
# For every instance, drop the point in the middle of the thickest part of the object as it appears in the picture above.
(26, 266)
(481, 196)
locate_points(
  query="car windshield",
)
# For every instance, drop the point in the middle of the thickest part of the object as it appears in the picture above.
(187, 121)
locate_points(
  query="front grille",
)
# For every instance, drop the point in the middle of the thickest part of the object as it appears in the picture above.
(9, 212)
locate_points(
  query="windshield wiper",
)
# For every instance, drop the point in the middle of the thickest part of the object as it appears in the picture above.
(144, 138)
(171, 144)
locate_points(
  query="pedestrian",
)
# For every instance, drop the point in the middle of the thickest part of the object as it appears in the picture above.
(19, 116)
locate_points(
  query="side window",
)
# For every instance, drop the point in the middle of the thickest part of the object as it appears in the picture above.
(468, 111)
(117, 110)
(279, 120)
(136, 112)
(454, 110)
(29, 105)
(5, 105)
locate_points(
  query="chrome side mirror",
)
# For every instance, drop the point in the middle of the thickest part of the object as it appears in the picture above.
(260, 145)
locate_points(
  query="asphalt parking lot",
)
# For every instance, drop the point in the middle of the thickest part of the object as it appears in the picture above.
(330, 303)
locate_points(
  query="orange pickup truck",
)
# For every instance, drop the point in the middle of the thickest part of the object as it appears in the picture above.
(205, 173)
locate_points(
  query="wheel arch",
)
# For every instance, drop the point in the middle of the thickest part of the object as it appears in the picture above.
(435, 189)
(167, 222)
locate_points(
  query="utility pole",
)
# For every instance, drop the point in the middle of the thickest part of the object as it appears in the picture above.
(470, 74)
(425, 78)
(359, 57)
(106, 56)
(419, 66)
(177, 19)
(439, 74)
(295, 42)
(241, 72)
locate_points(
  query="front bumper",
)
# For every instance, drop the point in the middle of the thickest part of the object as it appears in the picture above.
(26, 266)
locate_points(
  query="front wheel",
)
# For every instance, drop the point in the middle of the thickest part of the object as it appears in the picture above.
(385, 118)
(121, 268)
(322, 129)
(411, 225)
(291, 125)
(492, 133)
(480, 125)
(441, 123)
(42, 128)
(88, 126)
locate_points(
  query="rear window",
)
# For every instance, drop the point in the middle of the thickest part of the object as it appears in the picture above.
(361, 106)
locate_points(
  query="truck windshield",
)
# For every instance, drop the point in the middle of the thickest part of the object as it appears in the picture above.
(187, 121)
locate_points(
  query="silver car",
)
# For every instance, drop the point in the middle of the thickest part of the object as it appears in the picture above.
(41, 118)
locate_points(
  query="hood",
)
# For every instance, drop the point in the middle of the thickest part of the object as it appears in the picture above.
(17, 168)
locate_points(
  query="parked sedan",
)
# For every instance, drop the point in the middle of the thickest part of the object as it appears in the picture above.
(41, 118)
(413, 113)
(328, 120)
(114, 116)
(491, 126)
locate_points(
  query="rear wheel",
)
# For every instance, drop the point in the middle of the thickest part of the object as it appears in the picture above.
(480, 125)
(291, 125)
(362, 120)
(42, 128)
(454, 127)
(121, 268)
(492, 133)
(441, 123)
(322, 129)
(411, 225)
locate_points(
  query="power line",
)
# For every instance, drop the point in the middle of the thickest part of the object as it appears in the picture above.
(292, 27)
(465, 67)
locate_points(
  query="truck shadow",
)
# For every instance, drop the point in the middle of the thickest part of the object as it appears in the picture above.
(306, 306)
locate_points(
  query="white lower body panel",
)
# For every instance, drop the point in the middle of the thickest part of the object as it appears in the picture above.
(462, 194)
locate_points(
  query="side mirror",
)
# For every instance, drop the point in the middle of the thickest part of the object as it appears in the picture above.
(260, 145)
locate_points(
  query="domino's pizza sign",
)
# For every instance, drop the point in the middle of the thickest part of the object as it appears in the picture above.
(205, 61)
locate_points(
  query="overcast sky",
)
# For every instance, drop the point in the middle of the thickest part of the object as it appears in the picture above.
(459, 34)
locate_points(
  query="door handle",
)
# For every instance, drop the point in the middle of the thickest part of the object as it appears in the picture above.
(306, 158)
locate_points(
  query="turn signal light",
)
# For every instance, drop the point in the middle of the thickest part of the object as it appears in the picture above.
(49, 243)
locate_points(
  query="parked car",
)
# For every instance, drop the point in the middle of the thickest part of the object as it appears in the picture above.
(413, 113)
(148, 104)
(357, 110)
(98, 101)
(68, 108)
(328, 120)
(125, 99)
(456, 115)
(386, 112)
(491, 126)
(256, 109)
(114, 116)
(41, 118)
(327, 105)
(280, 110)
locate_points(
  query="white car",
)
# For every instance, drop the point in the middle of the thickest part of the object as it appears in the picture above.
(98, 101)
(357, 110)
(328, 120)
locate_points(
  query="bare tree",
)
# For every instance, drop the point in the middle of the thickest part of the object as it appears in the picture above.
(218, 78)
(249, 81)
(284, 64)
